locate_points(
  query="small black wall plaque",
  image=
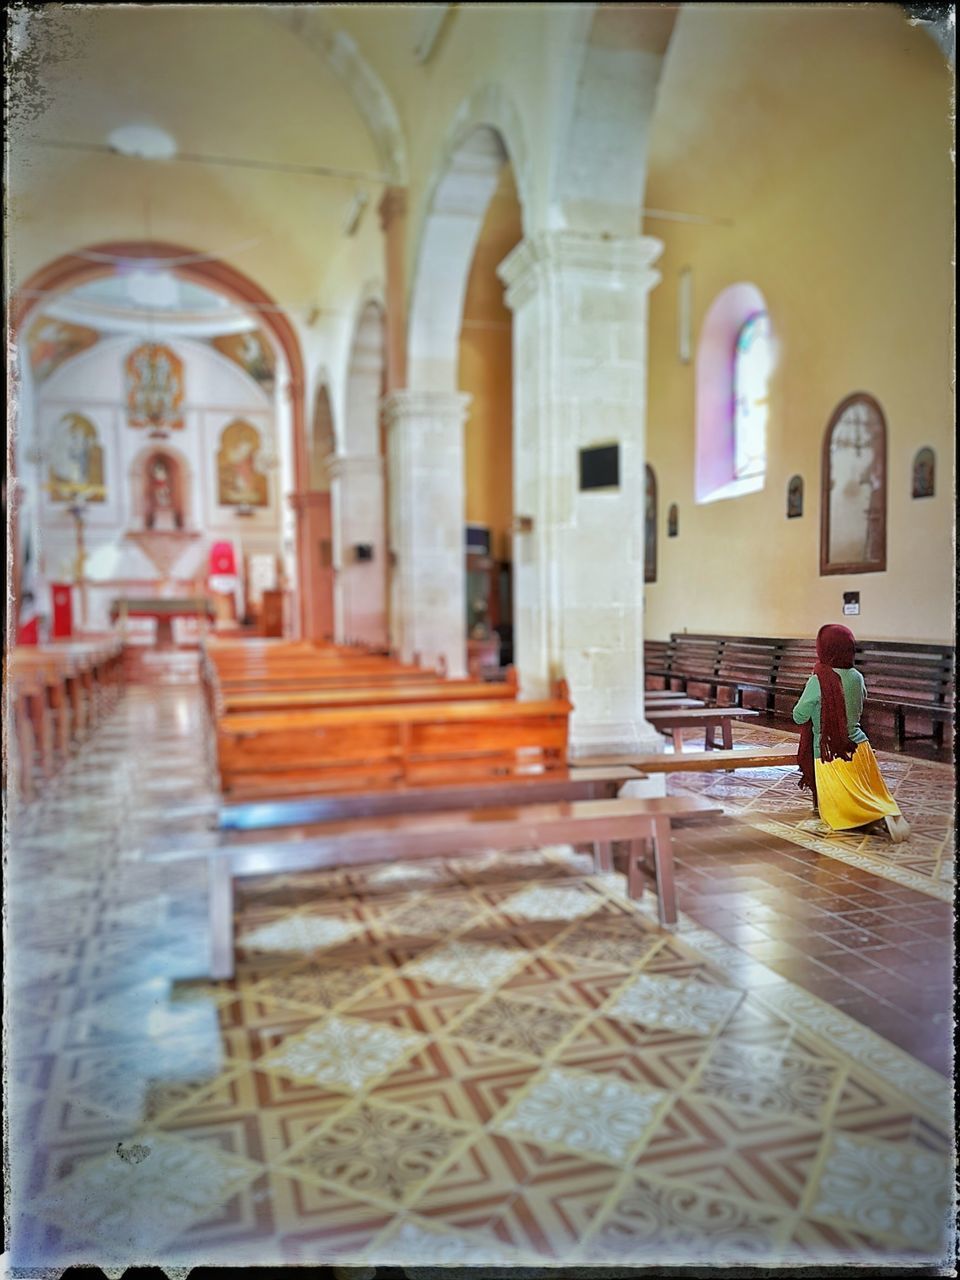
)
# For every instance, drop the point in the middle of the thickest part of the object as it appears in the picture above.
(851, 603)
(600, 467)
(363, 551)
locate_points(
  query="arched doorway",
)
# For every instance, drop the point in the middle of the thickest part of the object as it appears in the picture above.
(426, 444)
(89, 264)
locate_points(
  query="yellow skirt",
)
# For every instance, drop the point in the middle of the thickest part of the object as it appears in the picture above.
(851, 793)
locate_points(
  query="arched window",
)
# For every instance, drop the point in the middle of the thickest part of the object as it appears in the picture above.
(751, 376)
(650, 528)
(853, 515)
(735, 357)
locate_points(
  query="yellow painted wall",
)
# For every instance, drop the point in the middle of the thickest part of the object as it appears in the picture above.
(485, 372)
(823, 135)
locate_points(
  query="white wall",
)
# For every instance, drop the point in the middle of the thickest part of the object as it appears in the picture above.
(216, 392)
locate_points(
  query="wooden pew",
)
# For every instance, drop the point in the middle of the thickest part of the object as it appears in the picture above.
(304, 812)
(368, 748)
(675, 720)
(905, 681)
(453, 833)
(693, 668)
(661, 701)
(698, 761)
(657, 663)
(365, 694)
(915, 681)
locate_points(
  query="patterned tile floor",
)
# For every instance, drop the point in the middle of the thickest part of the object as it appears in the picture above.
(483, 1060)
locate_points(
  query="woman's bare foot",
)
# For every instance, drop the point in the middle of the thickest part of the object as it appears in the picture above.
(898, 827)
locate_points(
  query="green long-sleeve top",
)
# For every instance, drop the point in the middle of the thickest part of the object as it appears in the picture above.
(854, 696)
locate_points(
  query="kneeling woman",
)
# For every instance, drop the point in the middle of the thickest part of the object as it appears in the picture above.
(836, 760)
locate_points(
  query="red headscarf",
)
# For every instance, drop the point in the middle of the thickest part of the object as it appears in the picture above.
(836, 647)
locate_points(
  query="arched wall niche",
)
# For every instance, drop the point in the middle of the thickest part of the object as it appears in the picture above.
(94, 261)
(161, 489)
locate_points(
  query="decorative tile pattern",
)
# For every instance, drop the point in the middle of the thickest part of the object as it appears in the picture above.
(757, 1078)
(675, 1003)
(133, 1207)
(376, 1150)
(595, 1115)
(673, 1226)
(516, 1026)
(550, 904)
(885, 1189)
(341, 1054)
(298, 933)
(358, 1093)
(467, 964)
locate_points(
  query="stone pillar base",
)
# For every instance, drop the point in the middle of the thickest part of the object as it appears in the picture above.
(613, 739)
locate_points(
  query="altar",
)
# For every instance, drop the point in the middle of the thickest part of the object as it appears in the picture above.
(164, 610)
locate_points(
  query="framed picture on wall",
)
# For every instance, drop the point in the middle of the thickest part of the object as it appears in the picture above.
(795, 497)
(924, 473)
(853, 512)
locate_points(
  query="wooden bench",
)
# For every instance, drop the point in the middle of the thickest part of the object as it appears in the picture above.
(746, 672)
(905, 681)
(58, 692)
(693, 668)
(915, 682)
(674, 720)
(398, 838)
(365, 694)
(657, 663)
(699, 761)
(369, 748)
(574, 783)
(661, 701)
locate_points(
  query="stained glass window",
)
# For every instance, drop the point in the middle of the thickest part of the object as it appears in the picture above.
(752, 363)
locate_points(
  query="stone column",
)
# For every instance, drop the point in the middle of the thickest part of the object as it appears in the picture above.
(315, 569)
(356, 488)
(393, 221)
(579, 305)
(425, 468)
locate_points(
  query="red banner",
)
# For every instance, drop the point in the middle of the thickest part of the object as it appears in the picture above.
(62, 611)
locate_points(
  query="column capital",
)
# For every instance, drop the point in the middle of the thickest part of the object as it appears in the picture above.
(342, 466)
(624, 262)
(393, 205)
(406, 405)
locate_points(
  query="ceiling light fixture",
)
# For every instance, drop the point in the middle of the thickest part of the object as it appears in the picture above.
(143, 140)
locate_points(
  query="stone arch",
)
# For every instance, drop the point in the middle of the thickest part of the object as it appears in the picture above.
(599, 168)
(323, 437)
(72, 269)
(486, 134)
(341, 54)
(366, 379)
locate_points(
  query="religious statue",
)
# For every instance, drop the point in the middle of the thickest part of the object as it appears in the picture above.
(162, 506)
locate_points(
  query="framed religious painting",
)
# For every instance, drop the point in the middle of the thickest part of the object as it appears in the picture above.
(76, 461)
(853, 512)
(650, 528)
(924, 473)
(795, 498)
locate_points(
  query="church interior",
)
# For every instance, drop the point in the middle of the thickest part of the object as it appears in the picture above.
(444, 443)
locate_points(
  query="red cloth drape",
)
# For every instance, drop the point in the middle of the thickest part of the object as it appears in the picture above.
(836, 647)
